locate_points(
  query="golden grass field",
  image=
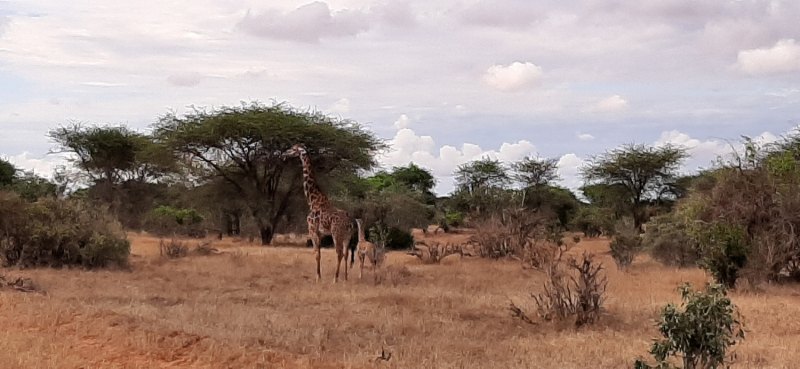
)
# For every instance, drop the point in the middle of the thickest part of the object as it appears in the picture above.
(258, 307)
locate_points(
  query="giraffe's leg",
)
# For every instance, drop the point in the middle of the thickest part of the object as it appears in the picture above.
(315, 240)
(361, 256)
(339, 256)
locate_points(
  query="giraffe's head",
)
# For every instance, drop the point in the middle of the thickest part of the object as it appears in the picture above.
(296, 150)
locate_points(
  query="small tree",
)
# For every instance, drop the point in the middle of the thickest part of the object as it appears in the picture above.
(644, 172)
(480, 175)
(701, 333)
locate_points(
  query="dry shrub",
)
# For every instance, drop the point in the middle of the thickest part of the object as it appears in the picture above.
(205, 248)
(174, 249)
(575, 292)
(624, 248)
(20, 284)
(54, 232)
(435, 252)
(394, 275)
(529, 236)
(626, 243)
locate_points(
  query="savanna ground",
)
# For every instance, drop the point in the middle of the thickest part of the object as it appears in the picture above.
(258, 307)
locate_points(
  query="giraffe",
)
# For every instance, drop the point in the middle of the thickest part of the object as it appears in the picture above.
(365, 249)
(323, 218)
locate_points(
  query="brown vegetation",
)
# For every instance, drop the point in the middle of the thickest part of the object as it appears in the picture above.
(256, 307)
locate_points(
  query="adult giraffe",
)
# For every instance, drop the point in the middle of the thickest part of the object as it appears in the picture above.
(323, 218)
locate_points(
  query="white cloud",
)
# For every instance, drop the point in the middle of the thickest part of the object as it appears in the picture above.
(308, 23)
(612, 104)
(515, 77)
(498, 13)
(397, 13)
(585, 137)
(40, 166)
(783, 57)
(704, 153)
(407, 147)
(569, 170)
(401, 122)
(341, 106)
(188, 79)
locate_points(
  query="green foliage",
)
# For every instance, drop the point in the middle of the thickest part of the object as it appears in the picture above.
(535, 171)
(167, 220)
(453, 218)
(390, 238)
(180, 216)
(409, 178)
(244, 145)
(415, 178)
(644, 172)
(32, 187)
(7, 173)
(701, 333)
(593, 221)
(113, 154)
(481, 175)
(53, 232)
(399, 239)
(557, 200)
(724, 249)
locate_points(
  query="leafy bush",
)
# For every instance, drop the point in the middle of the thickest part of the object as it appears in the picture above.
(724, 249)
(54, 232)
(453, 218)
(667, 241)
(593, 221)
(701, 333)
(168, 221)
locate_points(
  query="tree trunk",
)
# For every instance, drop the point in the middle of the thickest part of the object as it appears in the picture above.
(266, 235)
(233, 224)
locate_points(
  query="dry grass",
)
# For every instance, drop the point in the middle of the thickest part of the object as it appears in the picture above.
(254, 307)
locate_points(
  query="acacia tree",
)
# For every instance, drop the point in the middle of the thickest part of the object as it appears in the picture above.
(641, 172)
(481, 175)
(482, 186)
(113, 154)
(535, 171)
(243, 145)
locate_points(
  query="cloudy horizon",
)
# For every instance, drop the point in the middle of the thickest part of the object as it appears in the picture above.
(444, 82)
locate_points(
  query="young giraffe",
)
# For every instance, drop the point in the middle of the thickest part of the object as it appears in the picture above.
(365, 249)
(323, 218)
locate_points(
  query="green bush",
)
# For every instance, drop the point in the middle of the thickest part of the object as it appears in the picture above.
(593, 221)
(54, 232)
(453, 218)
(724, 249)
(701, 333)
(166, 221)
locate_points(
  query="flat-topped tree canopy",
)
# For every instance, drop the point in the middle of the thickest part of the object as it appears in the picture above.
(244, 145)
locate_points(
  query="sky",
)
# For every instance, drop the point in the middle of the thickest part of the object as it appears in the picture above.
(444, 82)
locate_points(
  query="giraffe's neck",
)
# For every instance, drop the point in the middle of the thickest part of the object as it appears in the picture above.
(314, 194)
(361, 236)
